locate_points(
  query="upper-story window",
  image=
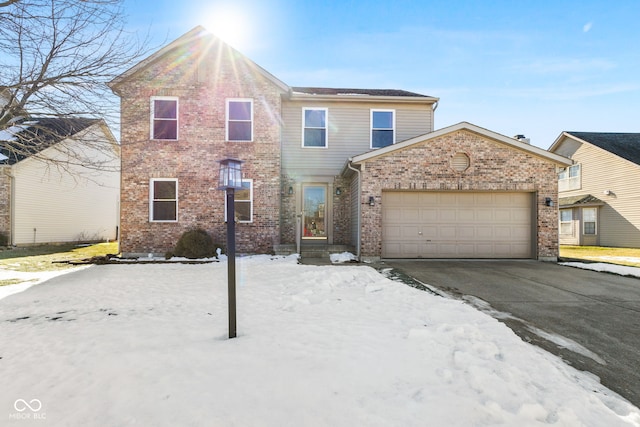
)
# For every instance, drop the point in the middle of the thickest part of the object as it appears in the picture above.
(314, 127)
(164, 117)
(383, 128)
(163, 200)
(240, 120)
(569, 178)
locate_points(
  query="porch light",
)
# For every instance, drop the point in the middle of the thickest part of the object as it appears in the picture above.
(372, 201)
(548, 201)
(231, 180)
(338, 191)
(230, 174)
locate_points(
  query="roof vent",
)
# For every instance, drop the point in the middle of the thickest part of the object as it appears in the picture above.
(522, 138)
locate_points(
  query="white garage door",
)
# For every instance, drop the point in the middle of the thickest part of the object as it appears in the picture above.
(456, 225)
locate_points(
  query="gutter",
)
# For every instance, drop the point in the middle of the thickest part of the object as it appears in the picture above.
(357, 171)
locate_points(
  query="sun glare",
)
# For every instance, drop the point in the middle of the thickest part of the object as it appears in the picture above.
(230, 24)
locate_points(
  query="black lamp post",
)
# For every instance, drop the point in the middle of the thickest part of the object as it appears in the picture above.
(230, 180)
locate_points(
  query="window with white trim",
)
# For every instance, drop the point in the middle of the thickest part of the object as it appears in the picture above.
(589, 219)
(164, 117)
(383, 124)
(239, 120)
(163, 200)
(314, 127)
(566, 221)
(569, 178)
(243, 202)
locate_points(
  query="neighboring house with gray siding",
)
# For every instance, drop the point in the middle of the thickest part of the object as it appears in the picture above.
(65, 188)
(599, 195)
(327, 168)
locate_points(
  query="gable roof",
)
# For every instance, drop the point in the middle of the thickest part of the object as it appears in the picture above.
(625, 145)
(510, 142)
(197, 34)
(582, 200)
(31, 136)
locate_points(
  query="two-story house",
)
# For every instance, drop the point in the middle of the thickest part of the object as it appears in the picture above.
(600, 193)
(59, 181)
(323, 166)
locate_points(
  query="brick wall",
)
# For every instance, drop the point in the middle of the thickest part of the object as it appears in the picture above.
(203, 76)
(427, 166)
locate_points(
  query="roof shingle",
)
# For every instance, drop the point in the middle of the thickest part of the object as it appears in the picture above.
(625, 145)
(33, 135)
(346, 92)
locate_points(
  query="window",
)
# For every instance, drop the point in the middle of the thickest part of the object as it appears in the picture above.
(589, 220)
(314, 127)
(569, 178)
(163, 200)
(382, 128)
(240, 120)
(460, 162)
(243, 202)
(566, 221)
(164, 117)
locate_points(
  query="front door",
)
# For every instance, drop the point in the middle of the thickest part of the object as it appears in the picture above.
(315, 214)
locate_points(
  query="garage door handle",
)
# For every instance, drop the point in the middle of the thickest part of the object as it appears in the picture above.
(420, 233)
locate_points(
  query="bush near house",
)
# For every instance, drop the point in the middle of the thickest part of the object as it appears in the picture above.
(194, 244)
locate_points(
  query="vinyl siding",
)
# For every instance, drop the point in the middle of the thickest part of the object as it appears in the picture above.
(619, 218)
(348, 133)
(64, 205)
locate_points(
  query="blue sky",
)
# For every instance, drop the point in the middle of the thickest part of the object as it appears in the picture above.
(514, 67)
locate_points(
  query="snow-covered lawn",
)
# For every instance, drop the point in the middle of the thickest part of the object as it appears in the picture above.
(146, 344)
(622, 270)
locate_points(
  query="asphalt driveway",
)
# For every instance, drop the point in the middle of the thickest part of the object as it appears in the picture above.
(590, 319)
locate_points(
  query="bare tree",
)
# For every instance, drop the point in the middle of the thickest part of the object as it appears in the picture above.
(55, 59)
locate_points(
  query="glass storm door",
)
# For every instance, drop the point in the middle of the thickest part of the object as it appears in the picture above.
(314, 217)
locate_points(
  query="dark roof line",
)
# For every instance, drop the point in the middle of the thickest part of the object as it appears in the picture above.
(351, 91)
(625, 145)
(584, 199)
(34, 134)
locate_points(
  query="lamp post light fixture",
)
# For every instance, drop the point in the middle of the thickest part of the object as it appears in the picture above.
(231, 180)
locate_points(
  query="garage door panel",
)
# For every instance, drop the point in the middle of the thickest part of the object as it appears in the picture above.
(428, 214)
(484, 232)
(411, 215)
(447, 232)
(466, 215)
(484, 215)
(391, 232)
(457, 225)
(466, 233)
(446, 214)
(410, 232)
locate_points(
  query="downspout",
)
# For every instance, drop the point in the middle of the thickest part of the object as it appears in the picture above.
(357, 171)
(9, 173)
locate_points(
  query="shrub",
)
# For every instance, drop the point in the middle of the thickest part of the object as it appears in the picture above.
(195, 244)
(4, 239)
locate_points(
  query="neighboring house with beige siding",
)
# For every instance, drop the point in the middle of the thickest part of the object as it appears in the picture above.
(66, 189)
(323, 167)
(599, 195)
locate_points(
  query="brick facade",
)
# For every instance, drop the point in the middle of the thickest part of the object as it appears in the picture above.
(203, 74)
(427, 167)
